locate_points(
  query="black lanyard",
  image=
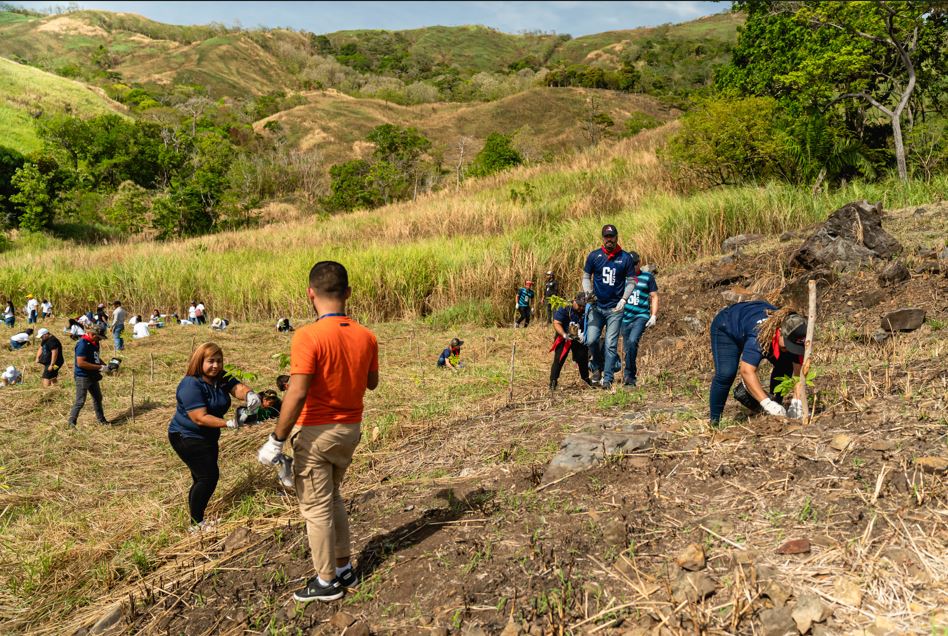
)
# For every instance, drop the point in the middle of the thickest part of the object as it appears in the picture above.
(329, 316)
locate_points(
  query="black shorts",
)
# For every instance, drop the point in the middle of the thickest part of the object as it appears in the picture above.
(50, 375)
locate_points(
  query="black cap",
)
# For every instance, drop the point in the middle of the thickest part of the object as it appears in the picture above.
(580, 298)
(609, 230)
(456, 342)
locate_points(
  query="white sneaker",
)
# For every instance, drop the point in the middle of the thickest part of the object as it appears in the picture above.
(204, 526)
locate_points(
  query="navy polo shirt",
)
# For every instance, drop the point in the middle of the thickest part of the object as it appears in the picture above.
(194, 393)
(566, 315)
(741, 321)
(90, 351)
(608, 276)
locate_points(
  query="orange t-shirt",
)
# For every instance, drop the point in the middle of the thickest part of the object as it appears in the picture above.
(339, 353)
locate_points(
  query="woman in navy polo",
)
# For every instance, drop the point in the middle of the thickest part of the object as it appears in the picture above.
(203, 399)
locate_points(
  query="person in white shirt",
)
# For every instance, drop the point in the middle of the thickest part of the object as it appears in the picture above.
(200, 313)
(220, 324)
(141, 329)
(118, 325)
(20, 340)
(192, 312)
(11, 376)
(9, 314)
(75, 328)
(31, 306)
(46, 308)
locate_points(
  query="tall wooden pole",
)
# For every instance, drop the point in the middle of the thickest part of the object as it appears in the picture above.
(513, 356)
(133, 396)
(808, 349)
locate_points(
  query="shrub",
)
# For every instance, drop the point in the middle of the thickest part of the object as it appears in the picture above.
(497, 154)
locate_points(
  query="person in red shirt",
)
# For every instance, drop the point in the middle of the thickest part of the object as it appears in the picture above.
(332, 363)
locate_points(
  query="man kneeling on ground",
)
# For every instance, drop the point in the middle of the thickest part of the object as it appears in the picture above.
(332, 363)
(567, 322)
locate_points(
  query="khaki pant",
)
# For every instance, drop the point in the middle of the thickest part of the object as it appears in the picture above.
(321, 455)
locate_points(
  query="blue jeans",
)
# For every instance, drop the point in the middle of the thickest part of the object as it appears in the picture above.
(9, 321)
(16, 345)
(117, 337)
(605, 358)
(31, 319)
(726, 352)
(631, 334)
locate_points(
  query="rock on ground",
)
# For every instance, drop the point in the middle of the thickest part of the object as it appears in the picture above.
(903, 320)
(850, 236)
(734, 242)
(582, 451)
(894, 272)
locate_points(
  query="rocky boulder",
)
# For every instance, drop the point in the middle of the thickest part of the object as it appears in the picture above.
(894, 272)
(903, 320)
(851, 235)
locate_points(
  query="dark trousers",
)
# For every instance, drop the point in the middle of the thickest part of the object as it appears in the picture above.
(83, 386)
(726, 352)
(549, 313)
(580, 357)
(523, 315)
(200, 456)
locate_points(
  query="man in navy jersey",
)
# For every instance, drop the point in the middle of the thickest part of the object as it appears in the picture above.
(641, 312)
(567, 321)
(608, 275)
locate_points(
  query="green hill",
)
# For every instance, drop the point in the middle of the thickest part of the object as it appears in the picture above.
(27, 92)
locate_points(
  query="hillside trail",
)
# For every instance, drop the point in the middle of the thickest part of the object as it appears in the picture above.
(761, 527)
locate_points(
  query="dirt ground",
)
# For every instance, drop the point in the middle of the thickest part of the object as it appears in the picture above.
(837, 527)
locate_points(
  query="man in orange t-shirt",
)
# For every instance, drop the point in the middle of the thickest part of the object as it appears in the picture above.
(332, 362)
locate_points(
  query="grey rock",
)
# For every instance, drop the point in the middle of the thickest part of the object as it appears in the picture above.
(734, 242)
(693, 587)
(737, 295)
(930, 267)
(787, 236)
(850, 236)
(943, 254)
(908, 319)
(809, 609)
(777, 622)
(582, 451)
(693, 323)
(920, 211)
(880, 335)
(872, 298)
(894, 272)
(109, 619)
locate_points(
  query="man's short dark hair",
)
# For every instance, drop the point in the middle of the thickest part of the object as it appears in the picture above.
(329, 279)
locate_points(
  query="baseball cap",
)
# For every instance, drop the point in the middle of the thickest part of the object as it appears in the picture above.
(580, 298)
(549, 273)
(42, 332)
(11, 370)
(793, 329)
(456, 342)
(96, 329)
(609, 230)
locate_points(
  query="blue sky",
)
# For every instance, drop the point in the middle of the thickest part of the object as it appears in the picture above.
(573, 17)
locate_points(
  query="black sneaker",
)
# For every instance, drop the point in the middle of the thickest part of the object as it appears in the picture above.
(348, 578)
(552, 386)
(605, 386)
(629, 383)
(315, 591)
(596, 376)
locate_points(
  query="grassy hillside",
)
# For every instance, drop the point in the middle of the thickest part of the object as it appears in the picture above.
(450, 257)
(551, 120)
(27, 92)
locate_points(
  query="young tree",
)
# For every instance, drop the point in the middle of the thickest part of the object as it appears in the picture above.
(32, 198)
(497, 154)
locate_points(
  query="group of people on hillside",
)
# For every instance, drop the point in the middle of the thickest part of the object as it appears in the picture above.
(34, 311)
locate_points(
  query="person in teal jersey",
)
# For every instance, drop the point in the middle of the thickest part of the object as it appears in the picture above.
(524, 299)
(641, 312)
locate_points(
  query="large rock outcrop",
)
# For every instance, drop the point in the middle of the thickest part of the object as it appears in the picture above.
(851, 236)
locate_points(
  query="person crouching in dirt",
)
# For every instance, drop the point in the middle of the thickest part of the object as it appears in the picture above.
(220, 324)
(450, 358)
(284, 326)
(203, 399)
(568, 323)
(50, 355)
(742, 336)
(524, 299)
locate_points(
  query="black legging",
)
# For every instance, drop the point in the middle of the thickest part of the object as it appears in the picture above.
(580, 357)
(201, 457)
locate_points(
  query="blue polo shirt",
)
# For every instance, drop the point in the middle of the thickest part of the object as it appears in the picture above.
(194, 393)
(740, 322)
(524, 296)
(608, 276)
(566, 315)
(639, 304)
(90, 351)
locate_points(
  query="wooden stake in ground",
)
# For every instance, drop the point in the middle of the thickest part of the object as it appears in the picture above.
(151, 360)
(132, 411)
(513, 356)
(192, 343)
(808, 349)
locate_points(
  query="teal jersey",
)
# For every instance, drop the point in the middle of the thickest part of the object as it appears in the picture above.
(639, 304)
(524, 296)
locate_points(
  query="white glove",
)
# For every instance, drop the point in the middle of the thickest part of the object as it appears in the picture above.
(233, 424)
(270, 452)
(253, 402)
(773, 408)
(285, 470)
(620, 306)
(651, 321)
(795, 412)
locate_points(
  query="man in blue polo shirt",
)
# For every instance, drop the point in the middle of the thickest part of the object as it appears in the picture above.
(641, 312)
(88, 373)
(608, 275)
